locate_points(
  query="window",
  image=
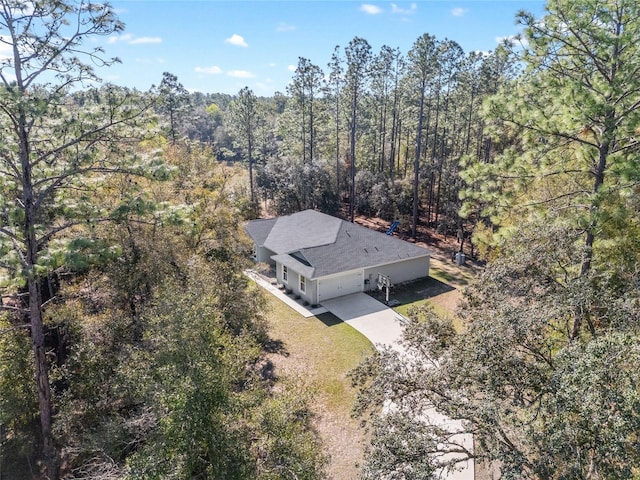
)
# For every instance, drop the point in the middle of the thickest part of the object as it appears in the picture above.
(303, 284)
(285, 274)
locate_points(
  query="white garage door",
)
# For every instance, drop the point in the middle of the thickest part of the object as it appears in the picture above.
(338, 286)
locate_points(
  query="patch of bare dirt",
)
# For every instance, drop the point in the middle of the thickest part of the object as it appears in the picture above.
(448, 300)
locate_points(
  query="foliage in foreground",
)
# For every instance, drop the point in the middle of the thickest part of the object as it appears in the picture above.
(545, 375)
(160, 349)
(539, 403)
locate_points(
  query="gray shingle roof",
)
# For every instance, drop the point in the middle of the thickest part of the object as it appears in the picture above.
(259, 230)
(302, 230)
(329, 245)
(290, 262)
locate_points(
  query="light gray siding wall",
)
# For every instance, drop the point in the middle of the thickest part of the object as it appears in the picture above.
(340, 284)
(312, 292)
(264, 255)
(402, 271)
(293, 283)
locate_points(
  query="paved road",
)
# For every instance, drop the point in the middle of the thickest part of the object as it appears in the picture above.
(383, 327)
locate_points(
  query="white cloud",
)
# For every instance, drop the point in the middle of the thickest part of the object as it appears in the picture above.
(236, 40)
(370, 9)
(143, 40)
(240, 74)
(212, 70)
(131, 40)
(513, 40)
(404, 11)
(285, 27)
(272, 64)
(120, 38)
(459, 12)
(291, 68)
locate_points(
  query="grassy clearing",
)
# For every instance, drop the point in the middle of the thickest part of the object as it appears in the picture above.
(440, 310)
(318, 352)
(448, 272)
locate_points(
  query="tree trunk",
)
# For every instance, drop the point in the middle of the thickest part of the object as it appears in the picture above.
(470, 113)
(42, 379)
(249, 154)
(311, 132)
(441, 163)
(173, 130)
(406, 155)
(599, 172)
(383, 134)
(337, 118)
(597, 183)
(304, 129)
(352, 189)
(395, 128)
(392, 143)
(416, 165)
(35, 306)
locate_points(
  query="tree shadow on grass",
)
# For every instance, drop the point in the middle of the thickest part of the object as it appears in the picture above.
(329, 319)
(275, 346)
(431, 288)
(268, 371)
(265, 367)
(421, 289)
(452, 277)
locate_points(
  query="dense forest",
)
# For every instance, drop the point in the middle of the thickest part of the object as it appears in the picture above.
(132, 345)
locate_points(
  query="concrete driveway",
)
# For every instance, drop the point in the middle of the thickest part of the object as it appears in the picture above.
(379, 323)
(383, 327)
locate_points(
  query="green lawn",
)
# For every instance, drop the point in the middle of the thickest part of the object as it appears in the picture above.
(318, 352)
(433, 290)
(328, 347)
(449, 272)
(441, 311)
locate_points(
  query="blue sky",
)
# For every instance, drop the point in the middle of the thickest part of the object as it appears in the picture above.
(222, 46)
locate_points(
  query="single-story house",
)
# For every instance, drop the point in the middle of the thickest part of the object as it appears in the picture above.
(319, 257)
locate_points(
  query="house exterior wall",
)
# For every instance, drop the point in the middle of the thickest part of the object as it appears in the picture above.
(401, 271)
(337, 285)
(312, 292)
(263, 255)
(293, 283)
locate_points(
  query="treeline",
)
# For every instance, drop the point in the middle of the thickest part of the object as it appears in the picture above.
(382, 134)
(534, 148)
